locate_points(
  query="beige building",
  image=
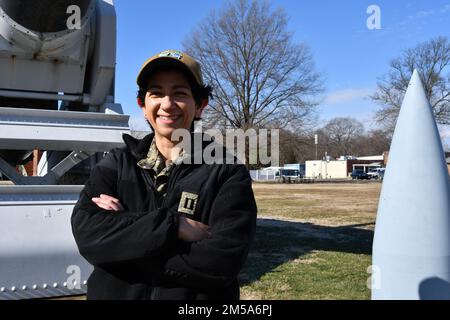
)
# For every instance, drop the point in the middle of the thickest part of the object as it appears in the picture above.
(334, 169)
(339, 169)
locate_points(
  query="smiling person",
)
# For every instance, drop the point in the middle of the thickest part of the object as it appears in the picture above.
(152, 225)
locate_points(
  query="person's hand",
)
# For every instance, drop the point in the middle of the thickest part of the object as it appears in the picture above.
(192, 231)
(108, 203)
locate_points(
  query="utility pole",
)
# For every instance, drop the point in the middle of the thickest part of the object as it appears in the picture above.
(316, 141)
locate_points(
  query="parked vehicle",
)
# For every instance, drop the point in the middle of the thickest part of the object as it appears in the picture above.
(381, 174)
(359, 175)
(377, 173)
(296, 166)
(288, 175)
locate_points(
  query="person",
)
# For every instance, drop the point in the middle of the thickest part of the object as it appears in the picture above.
(154, 225)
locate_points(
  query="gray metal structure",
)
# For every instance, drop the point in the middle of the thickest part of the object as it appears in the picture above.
(56, 96)
(38, 255)
(79, 63)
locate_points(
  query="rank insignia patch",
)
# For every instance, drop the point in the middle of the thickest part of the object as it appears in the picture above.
(188, 203)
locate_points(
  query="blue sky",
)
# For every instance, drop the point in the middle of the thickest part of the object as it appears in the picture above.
(350, 56)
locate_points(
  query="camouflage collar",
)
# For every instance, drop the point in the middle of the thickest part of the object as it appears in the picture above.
(155, 160)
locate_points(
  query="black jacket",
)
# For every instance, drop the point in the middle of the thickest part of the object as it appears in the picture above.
(136, 253)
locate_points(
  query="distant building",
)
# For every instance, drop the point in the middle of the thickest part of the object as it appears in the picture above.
(342, 167)
(271, 168)
(372, 158)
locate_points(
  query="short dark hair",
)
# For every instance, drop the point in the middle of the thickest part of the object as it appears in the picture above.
(199, 92)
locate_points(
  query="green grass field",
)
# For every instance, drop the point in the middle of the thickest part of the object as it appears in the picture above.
(312, 242)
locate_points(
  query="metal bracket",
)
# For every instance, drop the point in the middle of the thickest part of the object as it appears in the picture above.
(51, 177)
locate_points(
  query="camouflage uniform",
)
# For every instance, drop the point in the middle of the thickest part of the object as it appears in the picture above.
(159, 168)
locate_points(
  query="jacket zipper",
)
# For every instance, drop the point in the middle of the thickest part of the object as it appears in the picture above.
(172, 178)
(153, 293)
(151, 187)
(149, 184)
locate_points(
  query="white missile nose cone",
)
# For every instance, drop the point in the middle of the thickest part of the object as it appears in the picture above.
(415, 76)
(415, 92)
(411, 245)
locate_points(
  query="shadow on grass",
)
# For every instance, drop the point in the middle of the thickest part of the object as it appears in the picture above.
(278, 242)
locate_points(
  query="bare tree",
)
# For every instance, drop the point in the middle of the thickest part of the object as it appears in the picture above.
(432, 60)
(341, 134)
(292, 147)
(298, 147)
(375, 142)
(259, 75)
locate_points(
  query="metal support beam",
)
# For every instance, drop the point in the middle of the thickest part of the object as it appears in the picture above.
(45, 96)
(52, 177)
(28, 129)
